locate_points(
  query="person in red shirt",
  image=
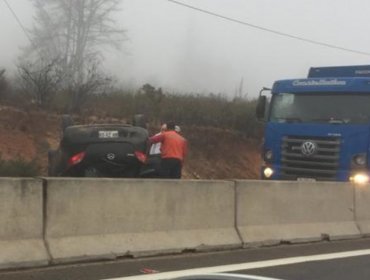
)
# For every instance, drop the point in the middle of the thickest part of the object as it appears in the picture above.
(173, 151)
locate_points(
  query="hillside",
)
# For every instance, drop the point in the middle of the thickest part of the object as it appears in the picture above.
(213, 153)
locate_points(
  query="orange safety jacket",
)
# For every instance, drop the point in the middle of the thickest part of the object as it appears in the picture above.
(173, 145)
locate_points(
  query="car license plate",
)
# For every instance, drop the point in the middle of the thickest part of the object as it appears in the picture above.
(303, 179)
(108, 134)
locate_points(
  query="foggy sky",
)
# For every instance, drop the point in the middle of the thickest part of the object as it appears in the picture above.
(183, 50)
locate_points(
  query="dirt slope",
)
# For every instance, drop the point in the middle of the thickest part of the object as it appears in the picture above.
(213, 153)
(221, 154)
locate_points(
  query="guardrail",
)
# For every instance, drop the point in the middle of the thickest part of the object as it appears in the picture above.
(21, 223)
(287, 211)
(51, 220)
(110, 218)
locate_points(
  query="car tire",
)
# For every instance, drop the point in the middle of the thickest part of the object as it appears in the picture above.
(139, 120)
(66, 122)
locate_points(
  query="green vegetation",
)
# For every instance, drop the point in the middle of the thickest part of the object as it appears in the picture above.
(189, 109)
(186, 109)
(19, 167)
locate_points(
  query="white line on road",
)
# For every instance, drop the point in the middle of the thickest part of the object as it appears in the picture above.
(246, 266)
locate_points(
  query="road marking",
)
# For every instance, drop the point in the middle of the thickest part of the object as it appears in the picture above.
(246, 266)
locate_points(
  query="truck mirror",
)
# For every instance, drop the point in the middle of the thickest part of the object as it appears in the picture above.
(261, 107)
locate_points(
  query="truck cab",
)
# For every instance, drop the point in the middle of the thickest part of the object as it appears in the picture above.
(318, 128)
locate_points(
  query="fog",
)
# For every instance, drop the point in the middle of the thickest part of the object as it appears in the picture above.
(183, 50)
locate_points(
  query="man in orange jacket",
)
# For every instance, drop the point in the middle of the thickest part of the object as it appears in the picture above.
(173, 151)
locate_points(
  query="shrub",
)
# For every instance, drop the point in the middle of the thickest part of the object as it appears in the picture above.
(186, 109)
(19, 167)
(4, 85)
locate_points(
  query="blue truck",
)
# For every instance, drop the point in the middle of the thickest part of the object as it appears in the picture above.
(318, 128)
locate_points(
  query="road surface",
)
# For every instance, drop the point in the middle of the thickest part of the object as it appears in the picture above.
(336, 260)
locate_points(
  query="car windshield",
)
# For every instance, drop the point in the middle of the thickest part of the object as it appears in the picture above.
(321, 108)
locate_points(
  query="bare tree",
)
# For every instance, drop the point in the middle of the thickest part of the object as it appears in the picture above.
(3, 84)
(41, 81)
(73, 32)
(95, 82)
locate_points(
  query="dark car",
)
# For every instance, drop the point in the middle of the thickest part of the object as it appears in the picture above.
(100, 150)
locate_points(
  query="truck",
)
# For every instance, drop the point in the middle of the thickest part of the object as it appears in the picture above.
(317, 128)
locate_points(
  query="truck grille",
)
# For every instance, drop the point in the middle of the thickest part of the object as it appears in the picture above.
(321, 165)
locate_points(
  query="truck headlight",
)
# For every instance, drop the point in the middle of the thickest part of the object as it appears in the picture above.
(360, 178)
(267, 172)
(360, 159)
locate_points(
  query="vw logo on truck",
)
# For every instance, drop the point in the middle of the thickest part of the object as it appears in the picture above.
(308, 148)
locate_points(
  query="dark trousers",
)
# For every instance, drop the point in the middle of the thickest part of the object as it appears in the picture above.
(171, 168)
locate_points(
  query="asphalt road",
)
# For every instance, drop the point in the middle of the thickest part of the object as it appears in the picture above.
(356, 268)
(343, 268)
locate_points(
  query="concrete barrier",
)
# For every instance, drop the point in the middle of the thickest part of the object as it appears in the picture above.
(76, 219)
(95, 218)
(362, 208)
(269, 212)
(21, 223)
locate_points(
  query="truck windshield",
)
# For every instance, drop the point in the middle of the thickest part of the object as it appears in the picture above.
(321, 108)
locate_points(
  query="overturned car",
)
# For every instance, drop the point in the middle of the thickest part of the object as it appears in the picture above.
(100, 150)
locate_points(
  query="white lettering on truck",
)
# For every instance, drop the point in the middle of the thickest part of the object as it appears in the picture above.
(331, 82)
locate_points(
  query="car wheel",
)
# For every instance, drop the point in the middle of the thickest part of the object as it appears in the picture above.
(66, 122)
(139, 120)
